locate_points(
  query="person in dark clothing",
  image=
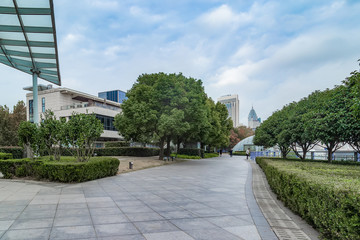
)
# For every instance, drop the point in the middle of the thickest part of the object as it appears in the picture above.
(230, 151)
(220, 152)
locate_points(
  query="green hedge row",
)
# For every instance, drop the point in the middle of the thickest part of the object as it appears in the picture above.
(239, 153)
(60, 171)
(17, 152)
(191, 151)
(117, 144)
(120, 151)
(325, 195)
(5, 156)
(127, 151)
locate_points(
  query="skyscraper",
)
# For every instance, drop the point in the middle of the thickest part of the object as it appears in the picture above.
(253, 120)
(232, 104)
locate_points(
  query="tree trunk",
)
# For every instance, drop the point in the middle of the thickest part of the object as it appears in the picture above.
(168, 150)
(202, 149)
(161, 153)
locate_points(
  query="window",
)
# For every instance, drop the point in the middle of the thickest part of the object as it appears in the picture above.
(107, 121)
(31, 110)
(43, 104)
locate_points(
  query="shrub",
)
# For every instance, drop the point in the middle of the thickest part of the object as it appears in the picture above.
(185, 156)
(63, 171)
(5, 156)
(325, 195)
(191, 151)
(211, 155)
(240, 153)
(117, 144)
(127, 151)
(17, 152)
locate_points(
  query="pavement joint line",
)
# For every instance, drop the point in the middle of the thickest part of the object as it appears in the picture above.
(289, 226)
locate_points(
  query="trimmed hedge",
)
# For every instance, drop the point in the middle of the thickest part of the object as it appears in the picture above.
(325, 195)
(191, 151)
(6, 156)
(127, 151)
(63, 171)
(240, 153)
(17, 152)
(117, 144)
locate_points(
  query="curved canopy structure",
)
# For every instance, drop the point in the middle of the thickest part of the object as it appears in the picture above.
(28, 41)
(28, 38)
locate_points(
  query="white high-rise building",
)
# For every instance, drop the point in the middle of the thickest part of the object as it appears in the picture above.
(232, 104)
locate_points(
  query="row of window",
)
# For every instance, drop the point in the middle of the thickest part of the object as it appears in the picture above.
(108, 122)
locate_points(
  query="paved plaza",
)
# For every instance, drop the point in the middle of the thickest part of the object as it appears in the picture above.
(199, 199)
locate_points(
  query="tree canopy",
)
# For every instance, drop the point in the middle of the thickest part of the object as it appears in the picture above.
(171, 107)
(10, 122)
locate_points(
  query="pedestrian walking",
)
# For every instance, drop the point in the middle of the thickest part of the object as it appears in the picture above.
(220, 152)
(247, 153)
(230, 151)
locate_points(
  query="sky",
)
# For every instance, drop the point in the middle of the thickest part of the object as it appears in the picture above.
(270, 53)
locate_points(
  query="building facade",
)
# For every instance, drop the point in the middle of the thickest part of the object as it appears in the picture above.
(232, 104)
(64, 101)
(253, 120)
(115, 95)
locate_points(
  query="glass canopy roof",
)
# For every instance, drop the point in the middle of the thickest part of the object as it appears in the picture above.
(28, 38)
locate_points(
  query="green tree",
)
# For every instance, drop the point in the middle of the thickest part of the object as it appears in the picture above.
(163, 107)
(9, 123)
(81, 132)
(28, 135)
(52, 134)
(328, 118)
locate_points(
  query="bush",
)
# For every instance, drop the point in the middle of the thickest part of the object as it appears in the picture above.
(211, 155)
(62, 171)
(127, 151)
(240, 153)
(17, 152)
(185, 156)
(325, 195)
(191, 151)
(5, 156)
(117, 144)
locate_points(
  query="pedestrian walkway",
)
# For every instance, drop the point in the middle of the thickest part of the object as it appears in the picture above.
(199, 199)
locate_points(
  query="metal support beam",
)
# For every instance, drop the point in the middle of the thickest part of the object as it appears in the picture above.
(35, 98)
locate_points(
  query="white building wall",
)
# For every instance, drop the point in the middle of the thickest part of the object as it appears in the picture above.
(233, 100)
(56, 101)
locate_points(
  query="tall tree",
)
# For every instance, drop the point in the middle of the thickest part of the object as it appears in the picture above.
(163, 107)
(9, 123)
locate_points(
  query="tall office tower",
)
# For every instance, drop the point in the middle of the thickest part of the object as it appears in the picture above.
(253, 120)
(232, 104)
(115, 95)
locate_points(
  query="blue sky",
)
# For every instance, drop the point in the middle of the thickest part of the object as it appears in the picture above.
(270, 53)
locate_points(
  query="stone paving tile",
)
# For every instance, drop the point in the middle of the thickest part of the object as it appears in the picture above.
(11, 208)
(176, 235)
(108, 219)
(141, 217)
(5, 224)
(73, 232)
(75, 212)
(37, 214)
(155, 226)
(36, 207)
(102, 204)
(136, 209)
(192, 223)
(72, 221)
(71, 206)
(124, 237)
(32, 223)
(245, 232)
(177, 214)
(211, 234)
(118, 229)
(104, 211)
(31, 234)
(9, 215)
(228, 221)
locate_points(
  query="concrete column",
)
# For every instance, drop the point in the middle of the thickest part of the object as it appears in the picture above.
(35, 99)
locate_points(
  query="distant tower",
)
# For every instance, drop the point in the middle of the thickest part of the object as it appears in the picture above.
(253, 120)
(232, 104)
